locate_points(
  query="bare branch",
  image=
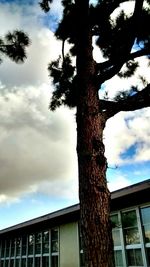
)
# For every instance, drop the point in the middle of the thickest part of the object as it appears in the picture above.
(131, 103)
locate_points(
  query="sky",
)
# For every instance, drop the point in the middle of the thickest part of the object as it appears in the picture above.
(38, 162)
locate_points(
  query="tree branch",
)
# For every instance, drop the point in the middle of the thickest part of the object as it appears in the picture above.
(131, 103)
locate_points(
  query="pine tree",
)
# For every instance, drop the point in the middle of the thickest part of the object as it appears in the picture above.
(13, 45)
(121, 42)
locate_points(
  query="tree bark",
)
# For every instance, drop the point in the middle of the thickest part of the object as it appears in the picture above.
(93, 193)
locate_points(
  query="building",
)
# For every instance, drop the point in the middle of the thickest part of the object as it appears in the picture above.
(53, 240)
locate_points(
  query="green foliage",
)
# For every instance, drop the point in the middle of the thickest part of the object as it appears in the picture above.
(14, 46)
(45, 5)
(116, 39)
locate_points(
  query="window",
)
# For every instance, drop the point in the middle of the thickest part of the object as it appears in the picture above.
(38, 241)
(116, 230)
(134, 257)
(7, 248)
(45, 242)
(30, 262)
(54, 248)
(13, 242)
(145, 213)
(37, 262)
(18, 246)
(30, 244)
(17, 263)
(45, 261)
(23, 262)
(118, 258)
(3, 249)
(24, 245)
(130, 227)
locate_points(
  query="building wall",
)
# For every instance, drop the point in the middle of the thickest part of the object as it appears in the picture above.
(69, 245)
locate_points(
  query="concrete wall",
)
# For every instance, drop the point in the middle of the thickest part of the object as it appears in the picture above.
(69, 245)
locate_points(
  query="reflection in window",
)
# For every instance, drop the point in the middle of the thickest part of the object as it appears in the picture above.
(46, 242)
(145, 213)
(54, 248)
(134, 257)
(54, 240)
(18, 246)
(30, 244)
(116, 230)
(131, 232)
(38, 241)
(118, 258)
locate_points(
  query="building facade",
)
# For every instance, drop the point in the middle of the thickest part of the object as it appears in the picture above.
(53, 240)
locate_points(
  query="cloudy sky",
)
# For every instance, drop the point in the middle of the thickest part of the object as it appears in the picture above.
(38, 164)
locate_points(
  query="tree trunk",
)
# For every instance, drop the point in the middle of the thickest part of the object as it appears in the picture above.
(93, 193)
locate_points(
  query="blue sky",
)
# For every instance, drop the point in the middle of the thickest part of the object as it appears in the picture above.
(38, 148)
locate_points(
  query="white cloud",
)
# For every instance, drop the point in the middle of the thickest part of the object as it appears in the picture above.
(37, 146)
(118, 183)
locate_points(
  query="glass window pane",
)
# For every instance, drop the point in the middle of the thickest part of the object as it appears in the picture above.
(23, 262)
(129, 219)
(54, 261)
(54, 240)
(24, 245)
(37, 261)
(131, 236)
(148, 255)
(45, 261)
(30, 262)
(11, 263)
(13, 242)
(17, 263)
(46, 242)
(30, 244)
(3, 249)
(115, 221)
(6, 263)
(118, 258)
(116, 237)
(145, 212)
(18, 246)
(38, 241)
(134, 257)
(7, 248)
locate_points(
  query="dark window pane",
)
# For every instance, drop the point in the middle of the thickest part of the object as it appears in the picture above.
(11, 263)
(54, 261)
(24, 245)
(23, 262)
(54, 240)
(30, 244)
(18, 246)
(30, 262)
(129, 219)
(46, 242)
(7, 248)
(148, 255)
(6, 263)
(17, 263)
(13, 247)
(45, 262)
(37, 262)
(134, 257)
